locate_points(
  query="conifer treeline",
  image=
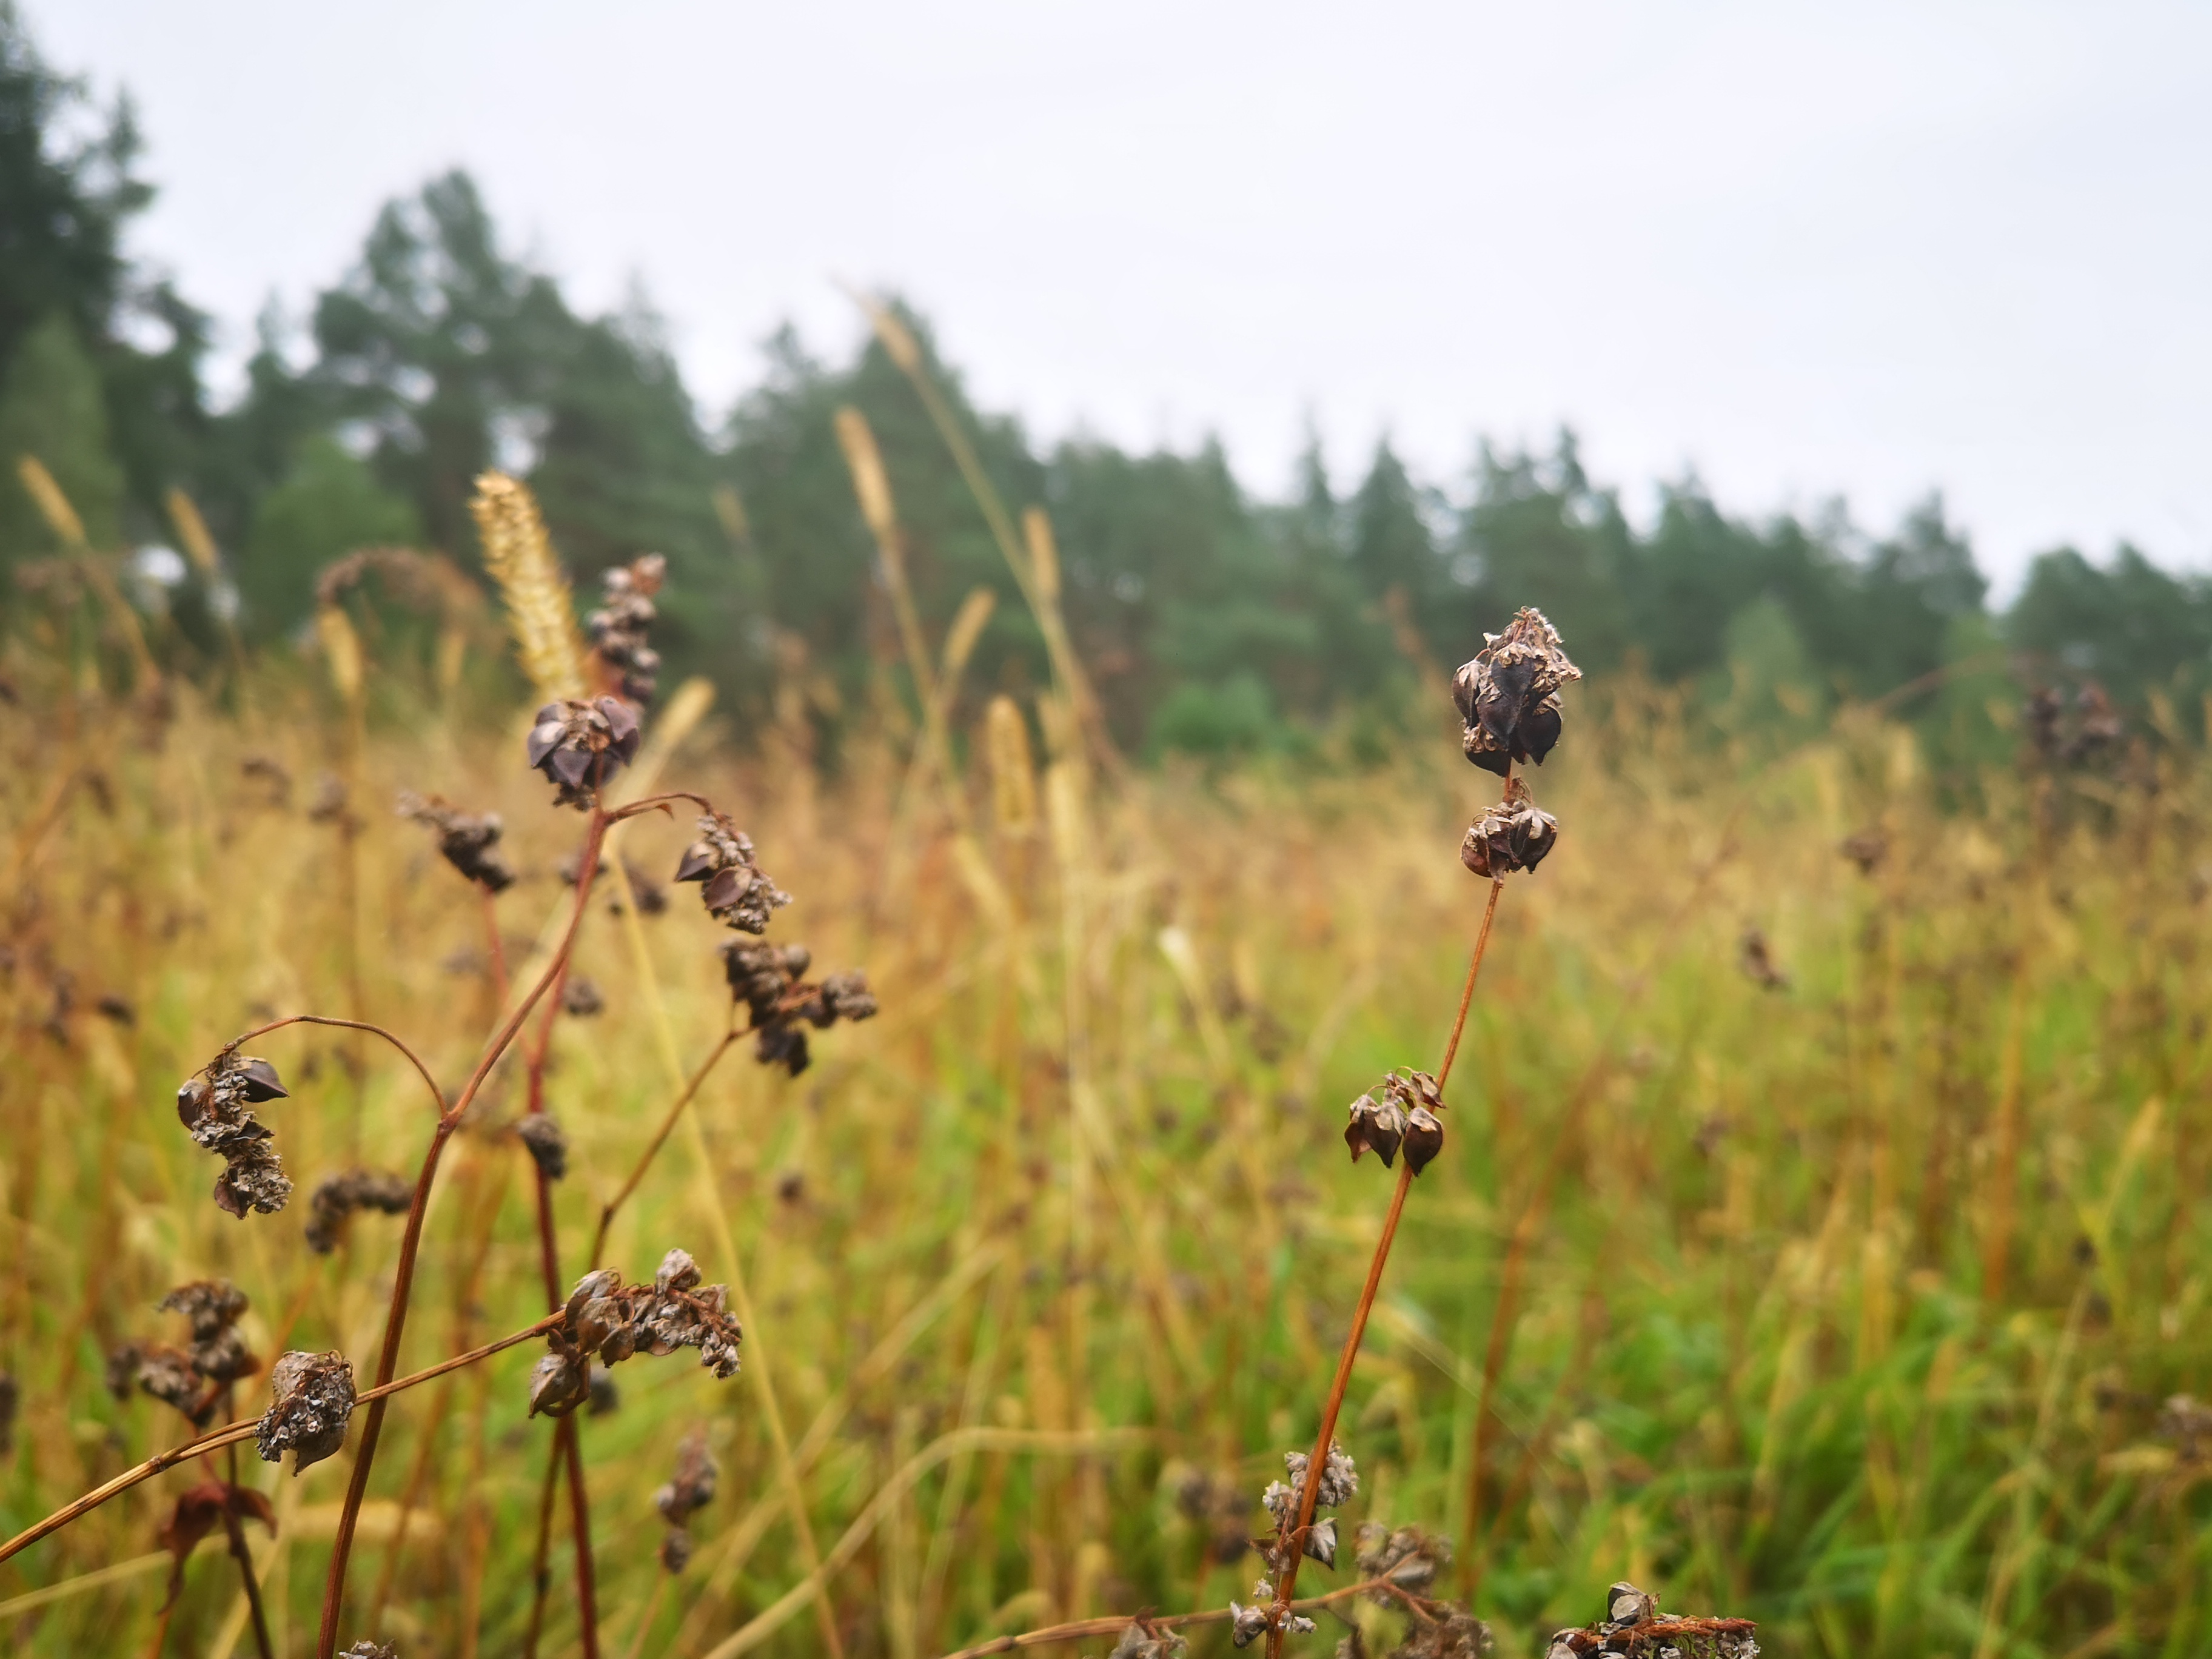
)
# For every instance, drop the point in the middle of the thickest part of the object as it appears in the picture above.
(1211, 619)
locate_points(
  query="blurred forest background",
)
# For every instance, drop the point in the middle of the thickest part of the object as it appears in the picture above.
(1215, 621)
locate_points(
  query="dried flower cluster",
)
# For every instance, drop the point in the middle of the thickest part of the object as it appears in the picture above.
(1509, 693)
(1406, 1556)
(313, 1399)
(1218, 1505)
(1756, 958)
(196, 1380)
(1141, 1639)
(198, 1512)
(2186, 1421)
(768, 979)
(1339, 1480)
(605, 1318)
(738, 891)
(336, 1197)
(1633, 1624)
(579, 746)
(2097, 725)
(691, 1490)
(366, 1649)
(617, 629)
(470, 840)
(546, 1142)
(582, 997)
(212, 1105)
(1403, 1111)
(1511, 835)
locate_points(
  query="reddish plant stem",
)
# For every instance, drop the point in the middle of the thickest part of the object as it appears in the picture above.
(422, 1070)
(564, 1447)
(1293, 1539)
(494, 946)
(236, 1531)
(410, 1243)
(541, 1570)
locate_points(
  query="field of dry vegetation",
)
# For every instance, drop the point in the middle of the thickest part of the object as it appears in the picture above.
(1815, 1239)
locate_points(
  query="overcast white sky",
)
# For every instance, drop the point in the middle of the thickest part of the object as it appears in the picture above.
(1871, 249)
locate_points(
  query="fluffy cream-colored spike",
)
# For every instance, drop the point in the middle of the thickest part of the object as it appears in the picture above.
(53, 505)
(519, 556)
(192, 532)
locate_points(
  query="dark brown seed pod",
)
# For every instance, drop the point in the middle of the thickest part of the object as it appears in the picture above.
(1424, 1138)
(1507, 694)
(366, 1649)
(578, 746)
(693, 1487)
(1375, 1126)
(546, 1142)
(1511, 835)
(559, 1382)
(582, 997)
(313, 1399)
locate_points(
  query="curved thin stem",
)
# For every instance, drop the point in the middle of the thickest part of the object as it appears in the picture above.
(658, 803)
(413, 1059)
(1292, 1540)
(652, 1147)
(1114, 1625)
(232, 1433)
(410, 1243)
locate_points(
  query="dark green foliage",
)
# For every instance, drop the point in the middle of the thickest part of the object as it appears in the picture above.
(329, 504)
(1210, 621)
(2130, 626)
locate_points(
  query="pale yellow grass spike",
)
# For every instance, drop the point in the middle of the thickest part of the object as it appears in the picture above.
(53, 504)
(1044, 553)
(870, 482)
(62, 518)
(342, 649)
(191, 530)
(961, 639)
(1013, 775)
(730, 508)
(519, 556)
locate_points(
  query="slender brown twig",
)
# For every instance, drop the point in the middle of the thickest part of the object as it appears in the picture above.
(564, 1448)
(410, 1243)
(1114, 1625)
(1310, 1489)
(236, 1531)
(653, 1146)
(413, 1059)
